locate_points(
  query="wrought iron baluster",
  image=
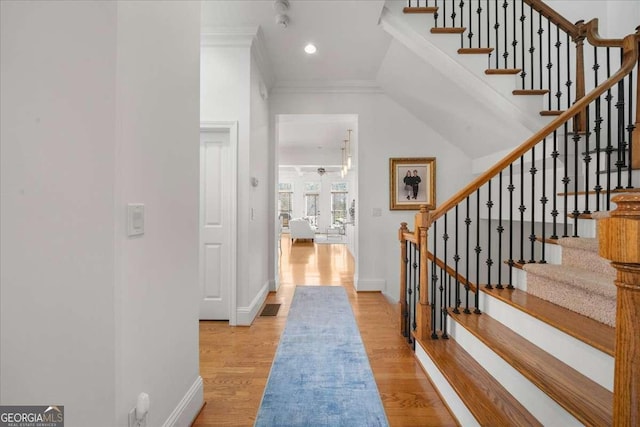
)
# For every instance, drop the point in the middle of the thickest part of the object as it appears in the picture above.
(416, 275)
(511, 262)
(453, 13)
(566, 180)
(543, 202)
(478, 250)
(505, 55)
(405, 314)
(436, 14)
(587, 162)
(522, 208)
(597, 128)
(456, 260)
(569, 83)
(540, 49)
(496, 27)
(558, 45)
(549, 67)
(467, 221)
(489, 261)
(576, 153)
(462, 22)
(445, 305)
(630, 129)
(434, 283)
(554, 212)
(532, 235)
(445, 258)
(470, 27)
(514, 42)
(523, 18)
(609, 149)
(621, 142)
(500, 230)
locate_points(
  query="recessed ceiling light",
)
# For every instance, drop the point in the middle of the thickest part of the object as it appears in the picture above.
(310, 49)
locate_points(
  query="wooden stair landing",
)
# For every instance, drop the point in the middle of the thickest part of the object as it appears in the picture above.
(485, 398)
(586, 400)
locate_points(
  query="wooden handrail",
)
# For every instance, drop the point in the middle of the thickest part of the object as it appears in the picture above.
(554, 17)
(630, 57)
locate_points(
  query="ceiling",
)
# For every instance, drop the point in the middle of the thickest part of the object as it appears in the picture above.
(351, 46)
(350, 43)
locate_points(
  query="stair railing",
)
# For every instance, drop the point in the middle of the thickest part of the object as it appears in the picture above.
(530, 195)
(547, 52)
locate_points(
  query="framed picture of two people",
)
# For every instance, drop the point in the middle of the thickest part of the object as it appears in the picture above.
(412, 183)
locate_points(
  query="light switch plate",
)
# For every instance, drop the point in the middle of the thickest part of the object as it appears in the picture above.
(135, 219)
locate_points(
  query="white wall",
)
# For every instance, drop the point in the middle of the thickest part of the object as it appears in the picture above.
(384, 130)
(158, 150)
(89, 317)
(58, 116)
(261, 229)
(230, 91)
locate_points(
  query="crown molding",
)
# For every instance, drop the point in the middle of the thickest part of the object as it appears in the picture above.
(328, 86)
(228, 36)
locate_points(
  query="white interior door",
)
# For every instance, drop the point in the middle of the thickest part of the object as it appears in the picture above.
(217, 227)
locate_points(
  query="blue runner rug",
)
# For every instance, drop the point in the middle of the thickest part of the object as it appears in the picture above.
(321, 374)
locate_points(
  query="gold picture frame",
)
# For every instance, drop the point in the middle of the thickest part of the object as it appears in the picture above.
(412, 183)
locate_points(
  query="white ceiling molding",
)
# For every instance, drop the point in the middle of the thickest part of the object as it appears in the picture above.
(228, 36)
(261, 55)
(337, 86)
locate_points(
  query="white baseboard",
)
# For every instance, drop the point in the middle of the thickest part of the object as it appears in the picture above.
(370, 285)
(187, 410)
(245, 315)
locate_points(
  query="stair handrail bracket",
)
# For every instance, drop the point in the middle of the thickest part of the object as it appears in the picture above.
(619, 238)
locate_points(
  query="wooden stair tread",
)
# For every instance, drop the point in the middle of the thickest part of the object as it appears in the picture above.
(502, 71)
(448, 30)
(586, 400)
(530, 92)
(474, 50)
(430, 9)
(585, 329)
(545, 113)
(484, 396)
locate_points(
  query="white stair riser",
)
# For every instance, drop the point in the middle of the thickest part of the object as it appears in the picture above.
(541, 406)
(592, 363)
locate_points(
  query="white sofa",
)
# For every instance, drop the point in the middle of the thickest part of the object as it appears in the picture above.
(301, 229)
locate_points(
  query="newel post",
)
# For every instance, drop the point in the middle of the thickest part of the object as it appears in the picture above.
(580, 119)
(404, 313)
(423, 311)
(619, 238)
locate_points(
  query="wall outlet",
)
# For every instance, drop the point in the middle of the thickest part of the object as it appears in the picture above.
(135, 423)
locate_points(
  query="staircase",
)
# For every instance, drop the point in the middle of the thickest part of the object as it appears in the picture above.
(505, 297)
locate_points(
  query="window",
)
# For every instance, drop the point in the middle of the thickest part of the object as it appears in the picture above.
(311, 208)
(284, 202)
(338, 203)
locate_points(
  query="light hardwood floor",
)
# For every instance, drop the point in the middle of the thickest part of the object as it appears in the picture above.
(235, 361)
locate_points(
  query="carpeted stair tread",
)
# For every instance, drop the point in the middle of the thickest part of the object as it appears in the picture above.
(583, 252)
(585, 329)
(489, 402)
(584, 243)
(601, 284)
(586, 400)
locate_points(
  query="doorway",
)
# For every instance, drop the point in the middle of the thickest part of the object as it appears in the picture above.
(218, 229)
